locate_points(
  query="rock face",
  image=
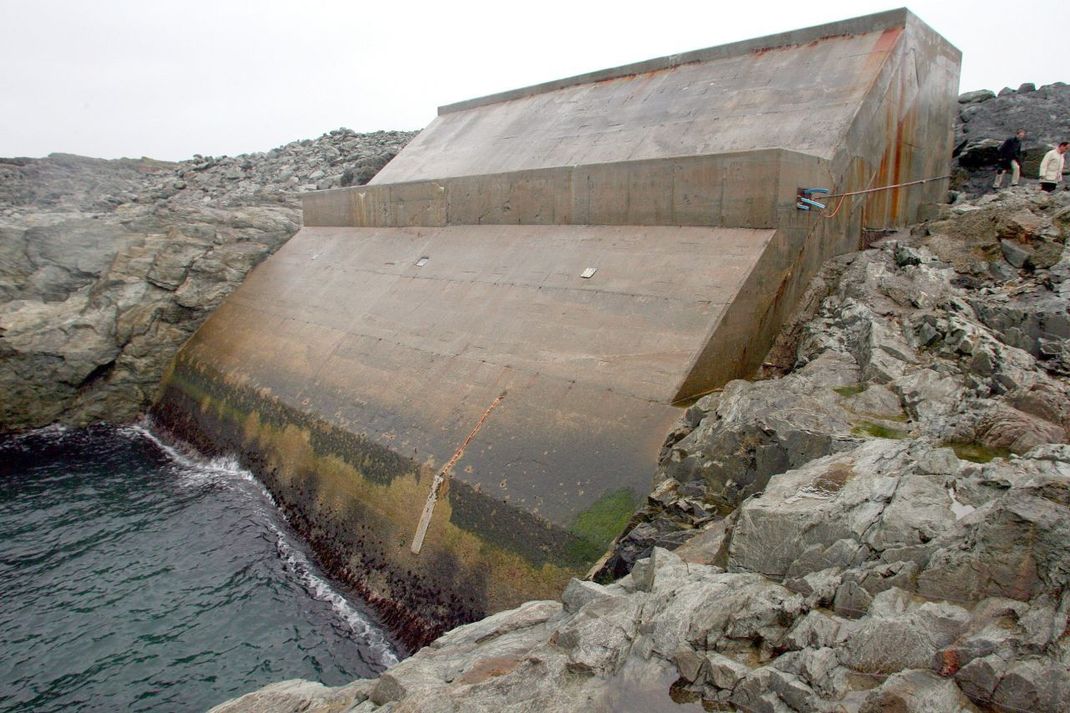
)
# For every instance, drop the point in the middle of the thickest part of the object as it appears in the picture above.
(881, 525)
(106, 267)
(934, 336)
(986, 119)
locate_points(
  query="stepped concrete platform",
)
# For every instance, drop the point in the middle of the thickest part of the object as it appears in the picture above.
(457, 378)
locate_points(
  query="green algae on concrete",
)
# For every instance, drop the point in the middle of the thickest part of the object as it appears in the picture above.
(360, 522)
(601, 522)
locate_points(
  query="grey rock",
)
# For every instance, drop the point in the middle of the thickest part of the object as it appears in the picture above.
(1001, 271)
(1034, 685)
(813, 631)
(917, 692)
(978, 679)
(820, 669)
(1016, 254)
(979, 95)
(295, 696)
(692, 666)
(845, 497)
(754, 693)
(1043, 113)
(710, 545)
(109, 266)
(885, 646)
(1045, 255)
(794, 691)
(1012, 552)
(725, 672)
(784, 430)
(851, 600)
(578, 593)
(643, 573)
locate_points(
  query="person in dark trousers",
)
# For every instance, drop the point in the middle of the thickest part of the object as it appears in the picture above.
(1010, 159)
(1051, 167)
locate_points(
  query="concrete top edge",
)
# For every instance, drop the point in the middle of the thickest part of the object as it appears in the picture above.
(444, 179)
(876, 22)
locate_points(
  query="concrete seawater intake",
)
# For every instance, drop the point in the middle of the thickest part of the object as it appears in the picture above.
(350, 367)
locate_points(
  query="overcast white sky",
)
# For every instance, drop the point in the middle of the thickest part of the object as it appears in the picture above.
(168, 79)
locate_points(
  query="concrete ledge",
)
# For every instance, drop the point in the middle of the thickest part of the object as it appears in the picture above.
(745, 189)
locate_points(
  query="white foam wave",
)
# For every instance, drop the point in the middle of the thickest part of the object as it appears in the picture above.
(195, 468)
(321, 590)
(54, 431)
(198, 469)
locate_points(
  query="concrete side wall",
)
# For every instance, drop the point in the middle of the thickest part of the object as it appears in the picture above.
(904, 129)
(747, 189)
(901, 132)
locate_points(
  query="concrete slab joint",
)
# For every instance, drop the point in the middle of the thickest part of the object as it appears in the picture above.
(352, 381)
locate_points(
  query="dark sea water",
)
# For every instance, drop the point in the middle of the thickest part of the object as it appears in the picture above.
(136, 576)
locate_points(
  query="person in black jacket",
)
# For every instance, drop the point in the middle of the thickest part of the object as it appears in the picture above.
(1010, 159)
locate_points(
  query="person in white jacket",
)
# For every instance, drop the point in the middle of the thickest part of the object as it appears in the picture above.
(1051, 167)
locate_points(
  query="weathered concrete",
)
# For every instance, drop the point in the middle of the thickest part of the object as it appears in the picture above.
(687, 190)
(356, 362)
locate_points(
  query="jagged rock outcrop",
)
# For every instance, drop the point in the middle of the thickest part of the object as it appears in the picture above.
(985, 119)
(935, 336)
(891, 577)
(879, 527)
(106, 267)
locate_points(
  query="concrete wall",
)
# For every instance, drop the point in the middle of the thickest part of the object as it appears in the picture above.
(743, 189)
(361, 357)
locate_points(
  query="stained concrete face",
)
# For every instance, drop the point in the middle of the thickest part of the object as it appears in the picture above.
(790, 97)
(531, 285)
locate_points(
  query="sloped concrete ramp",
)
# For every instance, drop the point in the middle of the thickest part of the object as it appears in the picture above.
(457, 379)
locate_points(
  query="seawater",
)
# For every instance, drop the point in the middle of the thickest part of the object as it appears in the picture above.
(137, 576)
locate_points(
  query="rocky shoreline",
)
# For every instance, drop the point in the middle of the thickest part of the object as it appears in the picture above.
(107, 267)
(877, 523)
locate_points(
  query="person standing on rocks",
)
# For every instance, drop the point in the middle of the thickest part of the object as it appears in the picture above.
(1051, 167)
(1010, 159)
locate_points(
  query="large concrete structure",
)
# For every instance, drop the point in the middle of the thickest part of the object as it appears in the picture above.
(489, 342)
